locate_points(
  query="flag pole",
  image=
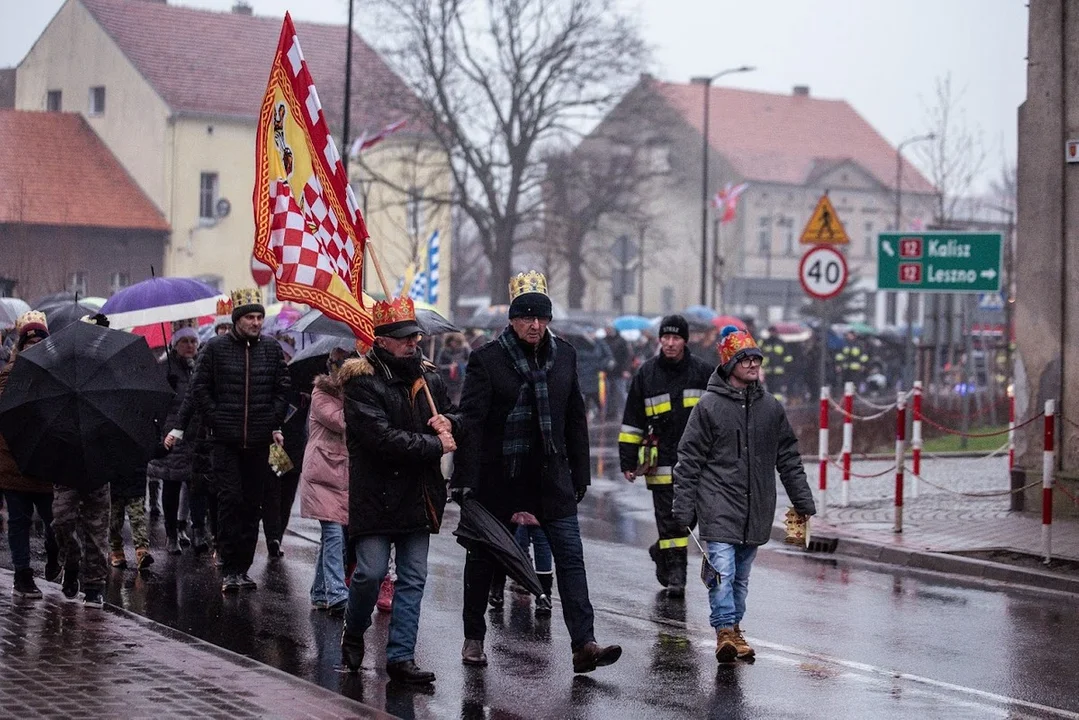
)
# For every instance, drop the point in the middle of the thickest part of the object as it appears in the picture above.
(386, 290)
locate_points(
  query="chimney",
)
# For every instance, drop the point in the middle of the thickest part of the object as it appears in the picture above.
(242, 8)
(801, 91)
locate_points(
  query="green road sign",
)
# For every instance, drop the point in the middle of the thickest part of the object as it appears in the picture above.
(953, 262)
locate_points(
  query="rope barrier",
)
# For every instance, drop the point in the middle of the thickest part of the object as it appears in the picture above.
(836, 406)
(999, 451)
(1068, 420)
(980, 493)
(1005, 431)
(866, 401)
(864, 477)
(1073, 498)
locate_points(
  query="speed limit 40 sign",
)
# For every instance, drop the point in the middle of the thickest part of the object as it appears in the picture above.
(823, 272)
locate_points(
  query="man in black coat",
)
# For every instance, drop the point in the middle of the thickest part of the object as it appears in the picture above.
(396, 489)
(240, 389)
(661, 396)
(525, 448)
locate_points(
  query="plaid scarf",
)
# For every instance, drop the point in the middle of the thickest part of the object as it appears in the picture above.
(517, 440)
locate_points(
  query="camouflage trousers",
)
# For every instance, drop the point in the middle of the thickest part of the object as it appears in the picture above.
(80, 521)
(135, 509)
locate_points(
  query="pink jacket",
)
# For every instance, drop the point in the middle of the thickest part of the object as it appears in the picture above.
(324, 476)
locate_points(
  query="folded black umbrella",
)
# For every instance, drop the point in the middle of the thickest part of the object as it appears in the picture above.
(315, 322)
(84, 406)
(478, 529)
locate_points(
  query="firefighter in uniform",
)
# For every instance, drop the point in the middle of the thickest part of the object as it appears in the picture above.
(778, 360)
(852, 361)
(661, 396)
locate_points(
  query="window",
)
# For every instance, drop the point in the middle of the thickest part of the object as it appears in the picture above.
(870, 240)
(207, 195)
(118, 281)
(787, 223)
(76, 282)
(414, 211)
(97, 100)
(54, 101)
(764, 237)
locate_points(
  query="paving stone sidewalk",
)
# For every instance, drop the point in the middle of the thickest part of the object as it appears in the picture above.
(61, 659)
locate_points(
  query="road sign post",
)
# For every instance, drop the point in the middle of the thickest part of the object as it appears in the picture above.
(949, 262)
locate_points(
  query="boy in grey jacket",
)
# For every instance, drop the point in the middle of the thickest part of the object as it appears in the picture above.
(736, 439)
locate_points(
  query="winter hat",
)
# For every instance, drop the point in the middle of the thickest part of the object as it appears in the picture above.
(674, 325)
(528, 296)
(29, 325)
(246, 300)
(184, 329)
(735, 345)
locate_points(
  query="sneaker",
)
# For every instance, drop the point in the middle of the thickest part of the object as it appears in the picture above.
(385, 595)
(726, 647)
(543, 606)
(117, 559)
(143, 558)
(70, 585)
(93, 598)
(745, 650)
(25, 585)
(172, 546)
(246, 583)
(230, 584)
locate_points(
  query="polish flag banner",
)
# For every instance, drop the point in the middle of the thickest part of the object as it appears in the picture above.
(308, 227)
(726, 200)
(365, 141)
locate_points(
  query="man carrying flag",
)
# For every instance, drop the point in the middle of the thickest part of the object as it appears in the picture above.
(308, 226)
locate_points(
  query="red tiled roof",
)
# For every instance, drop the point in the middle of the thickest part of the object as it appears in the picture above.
(59, 172)
(218, 63)
(788, 138)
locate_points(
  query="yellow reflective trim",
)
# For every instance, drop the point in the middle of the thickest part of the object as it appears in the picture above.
(659, 408)
(673, 543)
(630, 438)
(690, 401)
(660, 476)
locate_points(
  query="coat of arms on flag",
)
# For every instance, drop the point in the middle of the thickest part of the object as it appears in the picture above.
(308, 226)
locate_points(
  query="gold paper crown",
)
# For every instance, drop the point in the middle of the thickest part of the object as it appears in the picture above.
(34, 318)
(246, 296)
(224, 307)
(188, 323)
(401, 308)
(529, 282)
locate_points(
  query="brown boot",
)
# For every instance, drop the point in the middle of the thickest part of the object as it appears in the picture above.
(726, 645)
(117, 559)
(592, 656)
(745, 650)
(472, 653)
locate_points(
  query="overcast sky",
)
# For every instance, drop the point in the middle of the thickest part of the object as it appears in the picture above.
(882, 56)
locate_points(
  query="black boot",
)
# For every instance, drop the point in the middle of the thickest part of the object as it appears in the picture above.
(154, 488)
(52, 563)
(676, 572)
(496, 597)
(543, 604)
(24, 584)
(659, 558)
(351, 652)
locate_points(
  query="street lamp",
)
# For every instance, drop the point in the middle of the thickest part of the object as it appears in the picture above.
(706, 82)
(908, 371)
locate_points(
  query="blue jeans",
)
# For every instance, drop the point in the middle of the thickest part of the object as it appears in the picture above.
(372, 562)
(728, 597)
(20, 510)
(329, 587)
(533, 534)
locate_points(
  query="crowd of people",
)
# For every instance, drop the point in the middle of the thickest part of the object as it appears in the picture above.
(370, 439)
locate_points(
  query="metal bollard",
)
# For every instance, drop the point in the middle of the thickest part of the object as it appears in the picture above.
(848, 441)
(900, 449)
(822, 447)
(916, 438)
(1048, 467)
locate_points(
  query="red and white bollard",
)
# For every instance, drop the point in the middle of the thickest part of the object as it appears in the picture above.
(1048, 468)
(848, 440)
(916, 438)
(822, 447)
(900, 450)
(1011, 429)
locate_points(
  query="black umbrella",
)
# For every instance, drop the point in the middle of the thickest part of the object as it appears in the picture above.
(478, 529)
(494, 317)
(62, 314)
(315, 322)
(83, 406)
(57, 298)
(311, 360)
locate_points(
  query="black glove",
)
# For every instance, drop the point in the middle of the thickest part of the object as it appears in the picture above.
(579, 493)
(460, 494)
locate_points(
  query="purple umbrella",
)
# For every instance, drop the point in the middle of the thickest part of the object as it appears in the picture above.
(160, 300)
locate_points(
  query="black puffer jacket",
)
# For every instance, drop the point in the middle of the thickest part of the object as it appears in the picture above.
(661, 396)
(734, 443)
(240, 389)
(394, 456)
(490, 393)
(176, 466)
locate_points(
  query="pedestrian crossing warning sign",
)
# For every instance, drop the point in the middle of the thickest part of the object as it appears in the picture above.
(824, 227)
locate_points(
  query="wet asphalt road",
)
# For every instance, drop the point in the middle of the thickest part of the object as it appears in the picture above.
(835, 637)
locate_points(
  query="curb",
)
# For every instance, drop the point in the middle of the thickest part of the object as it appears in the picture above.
(941, 562)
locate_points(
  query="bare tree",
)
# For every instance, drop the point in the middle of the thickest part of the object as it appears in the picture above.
(502, 79)
(956, 156)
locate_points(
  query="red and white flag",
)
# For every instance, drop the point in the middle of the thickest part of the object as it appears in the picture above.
(365, 141)
(726, 200)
